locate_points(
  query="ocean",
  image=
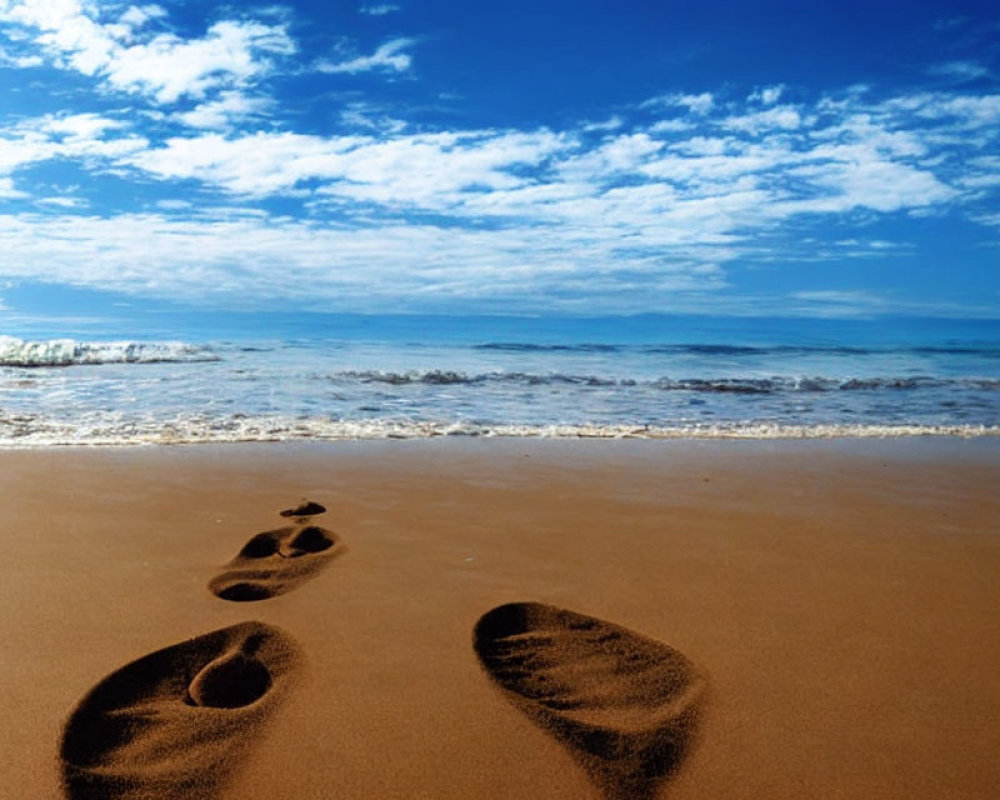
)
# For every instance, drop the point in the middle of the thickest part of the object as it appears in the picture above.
(250, 377)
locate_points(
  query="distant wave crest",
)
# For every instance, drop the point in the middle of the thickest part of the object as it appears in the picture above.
(70, 352)
(434, 377)
(695, 349)
(527, 347)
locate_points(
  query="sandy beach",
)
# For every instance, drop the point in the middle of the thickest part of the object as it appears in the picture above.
(812, 619)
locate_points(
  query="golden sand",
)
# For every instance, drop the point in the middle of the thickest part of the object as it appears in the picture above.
(766, 619)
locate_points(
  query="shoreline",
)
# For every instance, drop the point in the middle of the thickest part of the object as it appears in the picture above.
(903, 447)
(839, 594)
(302, 431)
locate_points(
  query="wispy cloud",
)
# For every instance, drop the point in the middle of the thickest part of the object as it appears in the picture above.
(370, 117)
(959, 70)
(379, 10)
(610, 124)
(695, 103)
(388, 56)
(361, 268)
(837, 303)
(62, 202)
(990, 220)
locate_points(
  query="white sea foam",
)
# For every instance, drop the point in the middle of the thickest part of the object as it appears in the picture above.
(29, 431)
(70, 352)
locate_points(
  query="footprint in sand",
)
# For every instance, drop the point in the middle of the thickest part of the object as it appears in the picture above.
(277, 561)
(177, 723)
(307, 508)
(624, 704)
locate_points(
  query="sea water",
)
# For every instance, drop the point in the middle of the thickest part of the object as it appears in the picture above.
(252, 377)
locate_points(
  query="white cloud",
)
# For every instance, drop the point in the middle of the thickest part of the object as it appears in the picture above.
(971, 111)
(174, 205)
(259, 164)
(402, 170)
(371, 118)
(629, 208)
(622, 154)
(671, 126)
(229, 108)
(170, 68)
(875, 245)
(610, 124)
(695, 103)
(137, 16)
(272, 259)
(982, 181)
(873, 184)
(767, 95)
(386, 57)
(162, 66)
(78, 126)
(980, 173)
(62, 202)
(8, 59)
(681, 196)
(990, 220)
(870, 131)
(74, 136)
(777, 118)
(7, 190)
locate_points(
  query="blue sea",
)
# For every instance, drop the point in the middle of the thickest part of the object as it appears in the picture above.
(248, 377)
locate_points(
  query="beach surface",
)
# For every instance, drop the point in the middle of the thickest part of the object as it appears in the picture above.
(828, 608)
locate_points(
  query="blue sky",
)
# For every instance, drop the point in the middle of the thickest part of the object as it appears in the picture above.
(824, 159)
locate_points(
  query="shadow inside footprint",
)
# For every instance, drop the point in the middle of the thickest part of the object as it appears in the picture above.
(624, 704)
(275, 562)
(307, 508)
(178, 722)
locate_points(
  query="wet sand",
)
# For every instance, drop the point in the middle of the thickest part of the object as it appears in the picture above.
(808, 619)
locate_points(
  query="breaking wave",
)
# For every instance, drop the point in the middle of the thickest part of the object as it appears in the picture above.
(70, 352)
